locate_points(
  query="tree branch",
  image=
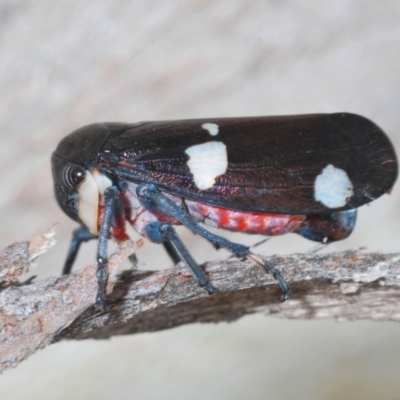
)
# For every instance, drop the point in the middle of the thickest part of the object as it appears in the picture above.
(348, 285)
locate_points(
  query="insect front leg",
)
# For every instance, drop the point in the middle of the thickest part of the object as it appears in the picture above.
(110, 197)
(151, 196)
(79, 236)
(161, 232)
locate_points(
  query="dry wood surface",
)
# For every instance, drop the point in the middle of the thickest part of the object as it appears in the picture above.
(347, 285)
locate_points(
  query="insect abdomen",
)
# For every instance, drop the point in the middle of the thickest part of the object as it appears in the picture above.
(245, 221)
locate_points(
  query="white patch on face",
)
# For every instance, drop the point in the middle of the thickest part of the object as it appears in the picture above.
(102, 181)
(207, 161)
(212, 129)
(88, 205)
(90, 192)
(333, 187)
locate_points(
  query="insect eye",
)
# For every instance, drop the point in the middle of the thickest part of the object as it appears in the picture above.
(73, 176)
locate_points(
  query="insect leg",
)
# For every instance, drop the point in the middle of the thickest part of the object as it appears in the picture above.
(133, 259)
(110, 196)
(79, 236)
(169, 248)
(161, 232)
(153, 198)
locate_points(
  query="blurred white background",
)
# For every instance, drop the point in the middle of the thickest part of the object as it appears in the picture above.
(64, 64)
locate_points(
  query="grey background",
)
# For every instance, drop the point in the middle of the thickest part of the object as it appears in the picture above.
(65, 64)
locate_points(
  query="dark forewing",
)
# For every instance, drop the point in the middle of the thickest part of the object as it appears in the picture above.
(273, 162)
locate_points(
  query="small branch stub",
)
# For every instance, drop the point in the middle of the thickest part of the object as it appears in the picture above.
(21, 257)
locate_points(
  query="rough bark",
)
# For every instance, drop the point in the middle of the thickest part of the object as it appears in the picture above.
(348, 286)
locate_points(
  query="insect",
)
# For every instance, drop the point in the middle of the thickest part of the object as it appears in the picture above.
(265, 175)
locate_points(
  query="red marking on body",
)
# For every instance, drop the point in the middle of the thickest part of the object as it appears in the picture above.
(224, 217)
(241, 221)
(245, 221)
(127, 164)
(139, 216)
(117, 230)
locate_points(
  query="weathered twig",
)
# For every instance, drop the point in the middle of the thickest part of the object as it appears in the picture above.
(348, 285)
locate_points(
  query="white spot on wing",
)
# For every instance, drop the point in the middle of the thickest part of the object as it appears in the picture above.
(333, 187)
(207, 161)
(212, 129)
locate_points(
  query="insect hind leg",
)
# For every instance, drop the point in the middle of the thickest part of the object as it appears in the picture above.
(154, 199)
(274, 272)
